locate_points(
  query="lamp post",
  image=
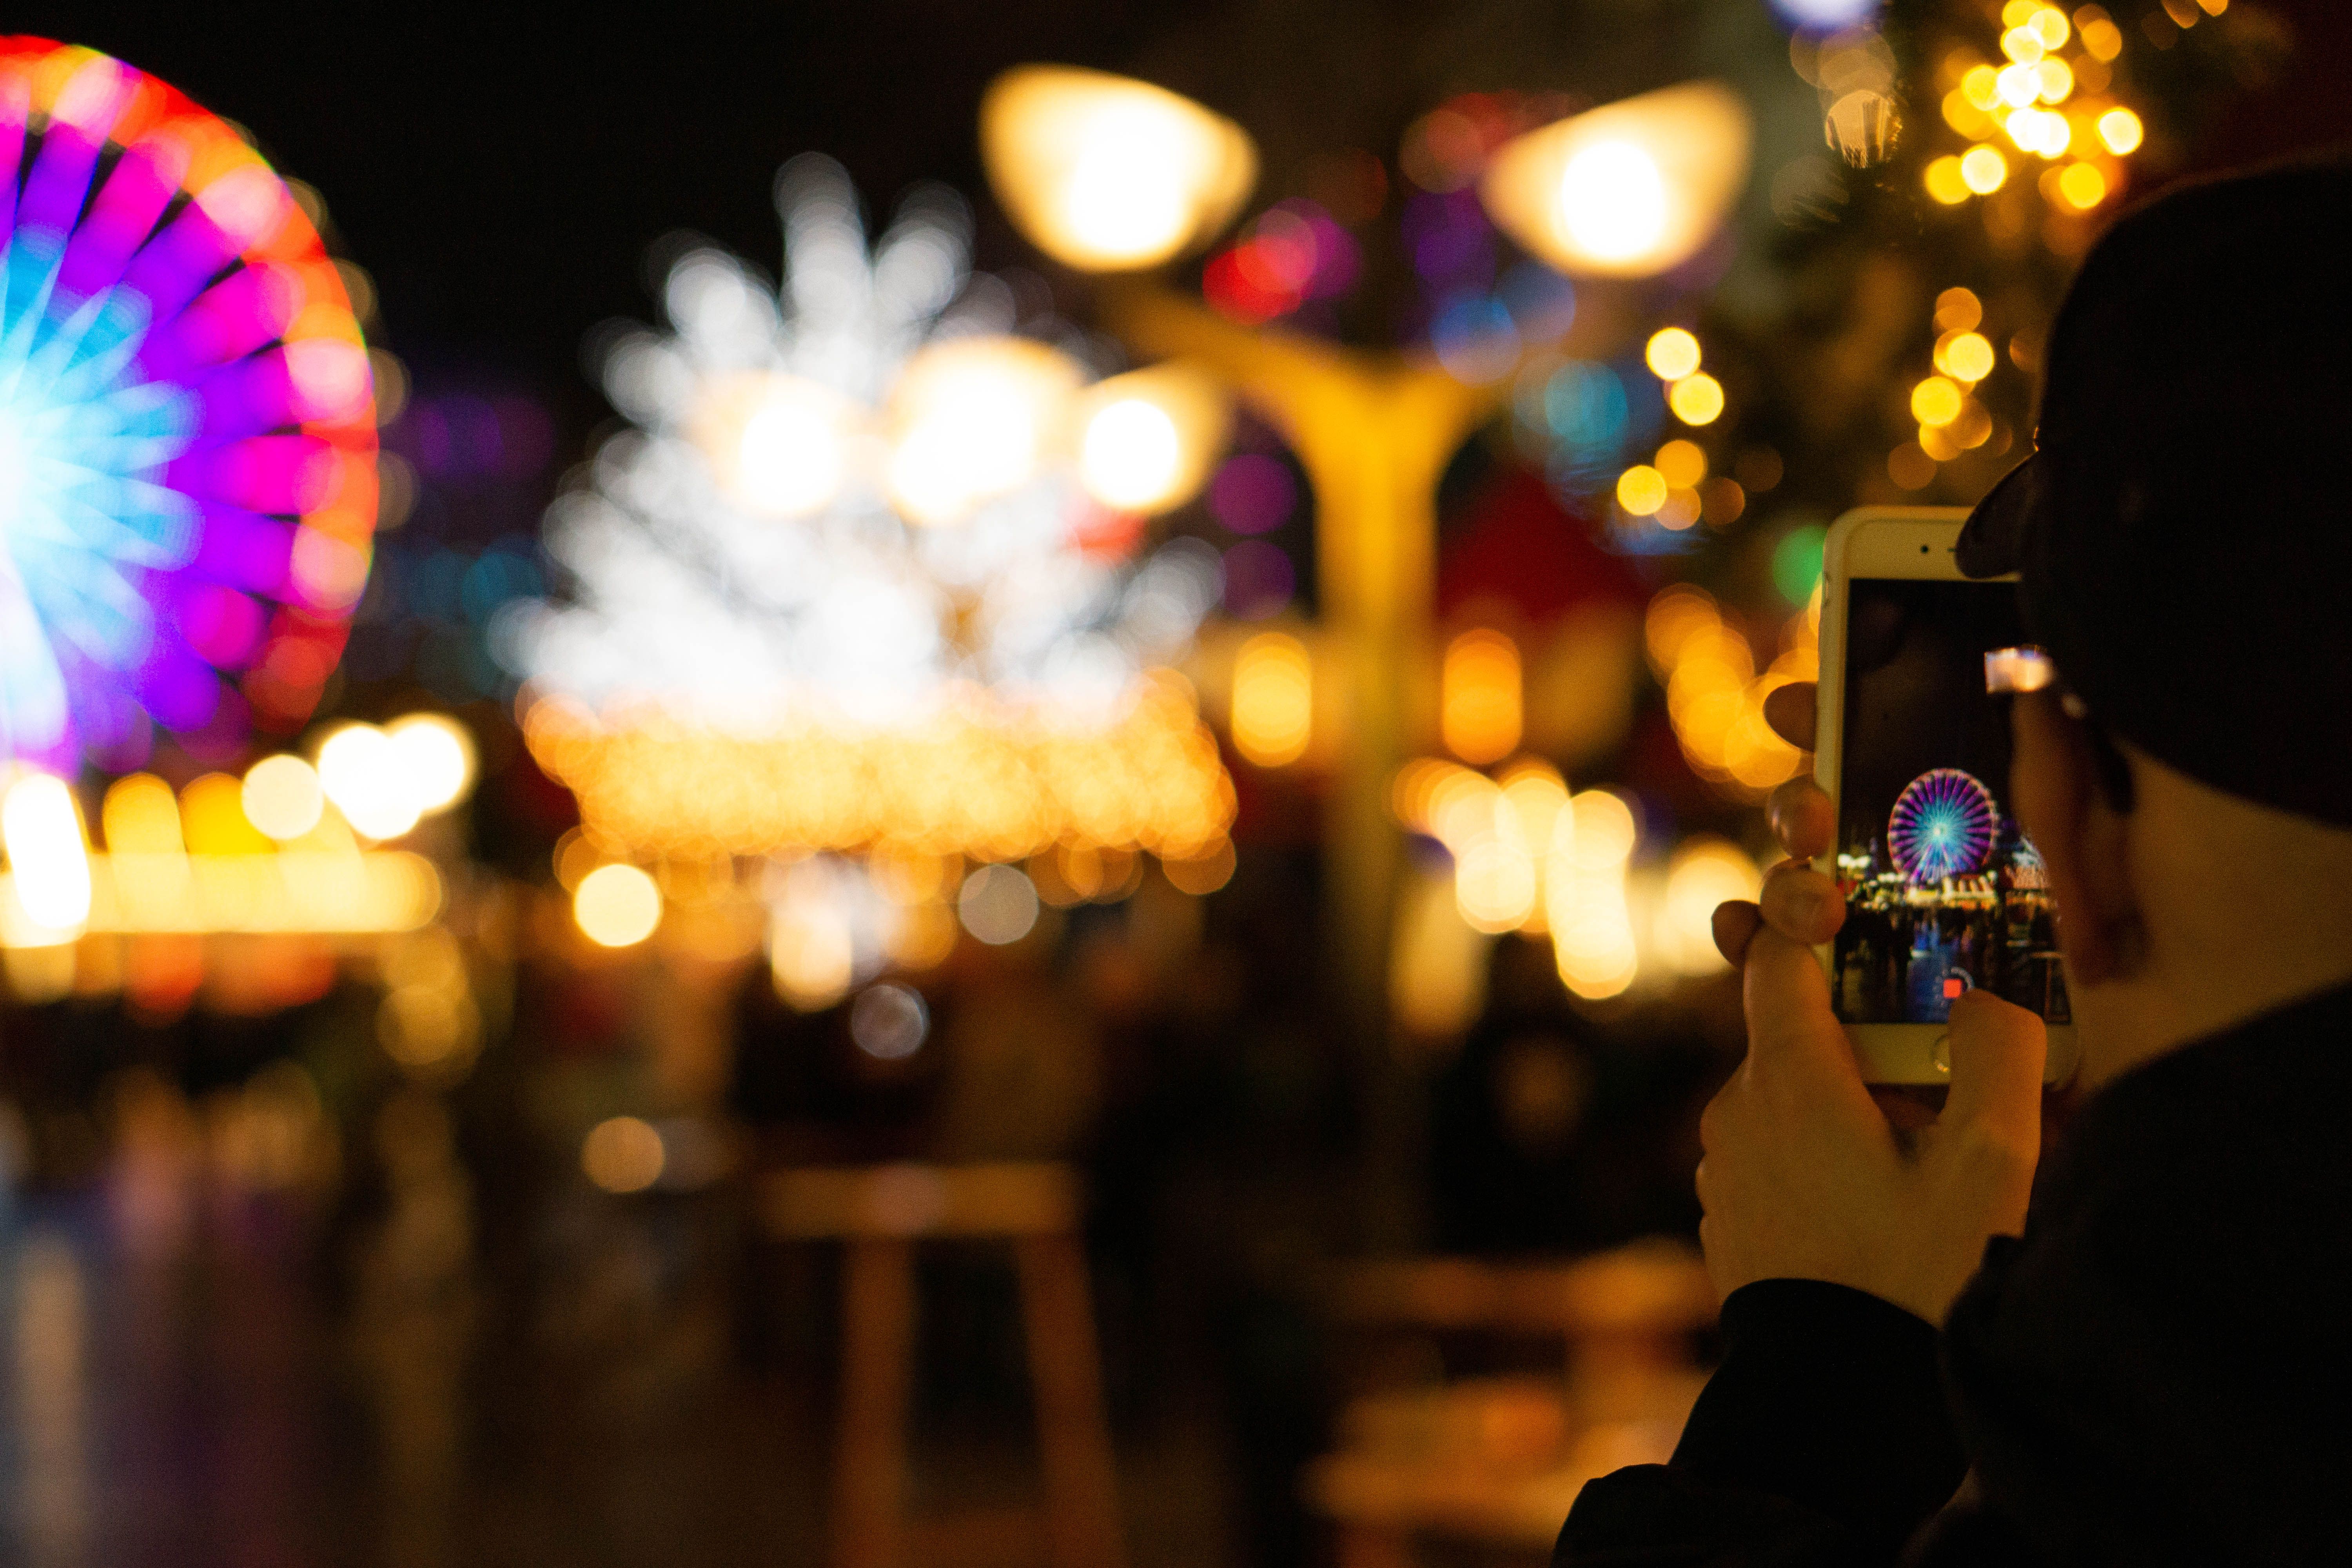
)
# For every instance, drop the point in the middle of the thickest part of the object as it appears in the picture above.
(1114, 176)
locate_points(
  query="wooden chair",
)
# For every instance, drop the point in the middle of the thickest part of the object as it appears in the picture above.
(880, 1212)
(1499, 1461)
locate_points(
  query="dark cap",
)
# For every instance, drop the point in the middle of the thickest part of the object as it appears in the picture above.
(2183, 530)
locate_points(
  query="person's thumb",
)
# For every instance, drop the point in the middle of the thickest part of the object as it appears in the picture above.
(1997, 1051)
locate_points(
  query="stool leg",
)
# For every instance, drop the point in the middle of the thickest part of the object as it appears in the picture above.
(1081, 1525)
(877, 1366)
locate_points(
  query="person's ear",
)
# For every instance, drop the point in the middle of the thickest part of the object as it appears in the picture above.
(2084, 841)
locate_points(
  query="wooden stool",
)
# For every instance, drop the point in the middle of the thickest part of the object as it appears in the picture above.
(1499, 1462)
(880, 1211)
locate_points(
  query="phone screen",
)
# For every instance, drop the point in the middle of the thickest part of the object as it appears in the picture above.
(1943, 893)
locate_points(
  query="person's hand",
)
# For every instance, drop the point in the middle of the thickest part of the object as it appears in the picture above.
(1804, 1175)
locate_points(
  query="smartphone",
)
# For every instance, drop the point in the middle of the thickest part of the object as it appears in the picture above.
(1944, 894)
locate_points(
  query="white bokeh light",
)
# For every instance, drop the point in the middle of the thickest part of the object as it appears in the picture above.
(848, 498)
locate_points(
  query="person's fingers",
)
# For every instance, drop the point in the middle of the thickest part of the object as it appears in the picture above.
(1790, 1026)
(1802, 904)
(1789, 709)
(1735, 923)
(1800, 814)
(1997, 1054)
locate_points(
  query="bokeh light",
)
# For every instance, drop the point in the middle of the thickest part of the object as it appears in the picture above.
(362, 770)
(1148, 438)
(1697, 399)
(617, 905)
(1642, 489)
(1481, 696)
(281, 796)
(889, 1022)
(435, 755)
(1983, 169)
(49, 861)
(1703, 872)
(998, 905)
(1964, 356)
(2120, 129)
(623, 1154)
(1273, 699)
(1671, 353)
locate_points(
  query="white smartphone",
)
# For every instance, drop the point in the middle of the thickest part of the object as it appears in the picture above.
(1944, 894)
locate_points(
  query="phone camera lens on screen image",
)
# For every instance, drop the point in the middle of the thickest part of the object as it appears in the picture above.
(1944, 894)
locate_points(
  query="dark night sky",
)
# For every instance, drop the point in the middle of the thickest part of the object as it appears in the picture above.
(503, 167)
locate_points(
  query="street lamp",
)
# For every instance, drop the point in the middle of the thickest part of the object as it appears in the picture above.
(1106, 174)
(1628, 190)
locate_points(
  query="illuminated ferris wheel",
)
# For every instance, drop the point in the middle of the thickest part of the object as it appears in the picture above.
(1942, 825)
(187, 424)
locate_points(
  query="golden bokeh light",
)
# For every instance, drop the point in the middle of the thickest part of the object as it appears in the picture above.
(1696, 399)
(281, 796)
(1671, 353)
(1629, 189)
(1201, 874)
(1682, 464)
(1273, 699)
(977, 778)
(623, 1154)
(1107, 173)
(1983, 169)
(1964, 356)
(1958, 310)
(1935, 401)
(1479, 712)
(617, 905)
(1945, 183)
(213, 819)
(2121, 129)
(1584, 890)
(437, 759)
(140, 816)
(1980, 86)
(1642, 489)
(1910, 467)
(1964, 114)
(2102, 40)
(2082, 186)
(1705, 871)
(1148, 438)
(360, 768)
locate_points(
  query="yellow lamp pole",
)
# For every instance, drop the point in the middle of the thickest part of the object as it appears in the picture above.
(1374, 432)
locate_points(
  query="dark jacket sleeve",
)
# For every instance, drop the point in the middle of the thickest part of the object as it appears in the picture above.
(1823, 1438)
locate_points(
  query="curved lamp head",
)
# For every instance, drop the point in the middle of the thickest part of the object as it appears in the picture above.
(1627, 190)
(1106, 174)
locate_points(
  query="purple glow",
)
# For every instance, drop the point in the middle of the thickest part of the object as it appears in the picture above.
(1259, 579)
(1252, 494)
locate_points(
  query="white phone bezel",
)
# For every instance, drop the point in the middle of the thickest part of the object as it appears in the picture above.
(1912, 543)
